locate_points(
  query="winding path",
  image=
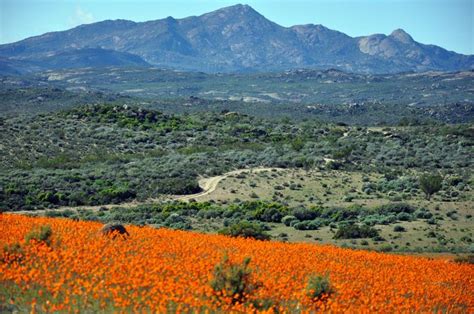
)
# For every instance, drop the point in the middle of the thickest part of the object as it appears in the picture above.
(208, 185)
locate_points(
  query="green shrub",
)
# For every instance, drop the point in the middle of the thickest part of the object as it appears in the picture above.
(261, 210)
(307, 225)
(318, 286)
(338, 214)
(41, 235)
(245, 229)
(423, 214)
(355, 232)
(399, 229)
(47, 197)
(116, 194)
(210, 213)
(395, 208)
(305, 213)
(348, 198)
(378, 238)
(452, 214)
(288, 219)
(297, 144)
(175, 221)
(181, 185)
(404, 217)
(469, 259)
(377, 219)
(12, 253)
(385, 248)
(232, 280)
(270, 215)
(343, 153)
(254, 195)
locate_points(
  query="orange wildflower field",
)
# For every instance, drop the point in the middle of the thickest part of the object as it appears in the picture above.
(161, 270)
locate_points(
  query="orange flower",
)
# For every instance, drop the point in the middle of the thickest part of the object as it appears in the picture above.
(162, 270)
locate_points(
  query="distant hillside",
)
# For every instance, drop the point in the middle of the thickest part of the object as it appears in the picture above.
(70, 59)
(232, 39)
(90, 57)
(15, 67)
(313, 90)
(328, 95)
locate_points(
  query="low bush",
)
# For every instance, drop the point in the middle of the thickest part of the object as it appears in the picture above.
(377, 219)
(318, 287)
(404, 217)
(469, 259)
(245, 229)
(261, 210)
(12, 253)
(385, 248)
(287, 220)
(423, 214)
(232, 280)
(339, 214)
(40, 234)
(307, 225)
(395, 208)
(305, 213)
(399, 229)
(176, 221)
(270, 215)
(355, 232)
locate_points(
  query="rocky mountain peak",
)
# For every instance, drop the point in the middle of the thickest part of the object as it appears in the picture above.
(238, 12)
(402, 36)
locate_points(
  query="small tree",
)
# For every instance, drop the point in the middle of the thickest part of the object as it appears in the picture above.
(430, 184)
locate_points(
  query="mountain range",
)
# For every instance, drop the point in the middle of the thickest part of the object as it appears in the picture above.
(231, 39)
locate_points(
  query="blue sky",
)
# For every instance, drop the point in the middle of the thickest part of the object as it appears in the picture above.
(447, 23)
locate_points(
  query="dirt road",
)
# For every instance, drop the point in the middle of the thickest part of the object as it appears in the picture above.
(208, 185)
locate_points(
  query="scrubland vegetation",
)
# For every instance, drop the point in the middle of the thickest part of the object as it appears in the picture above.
(330, 177)
(109, 154)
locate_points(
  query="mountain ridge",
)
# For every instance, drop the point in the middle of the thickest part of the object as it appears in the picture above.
(240, 39)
